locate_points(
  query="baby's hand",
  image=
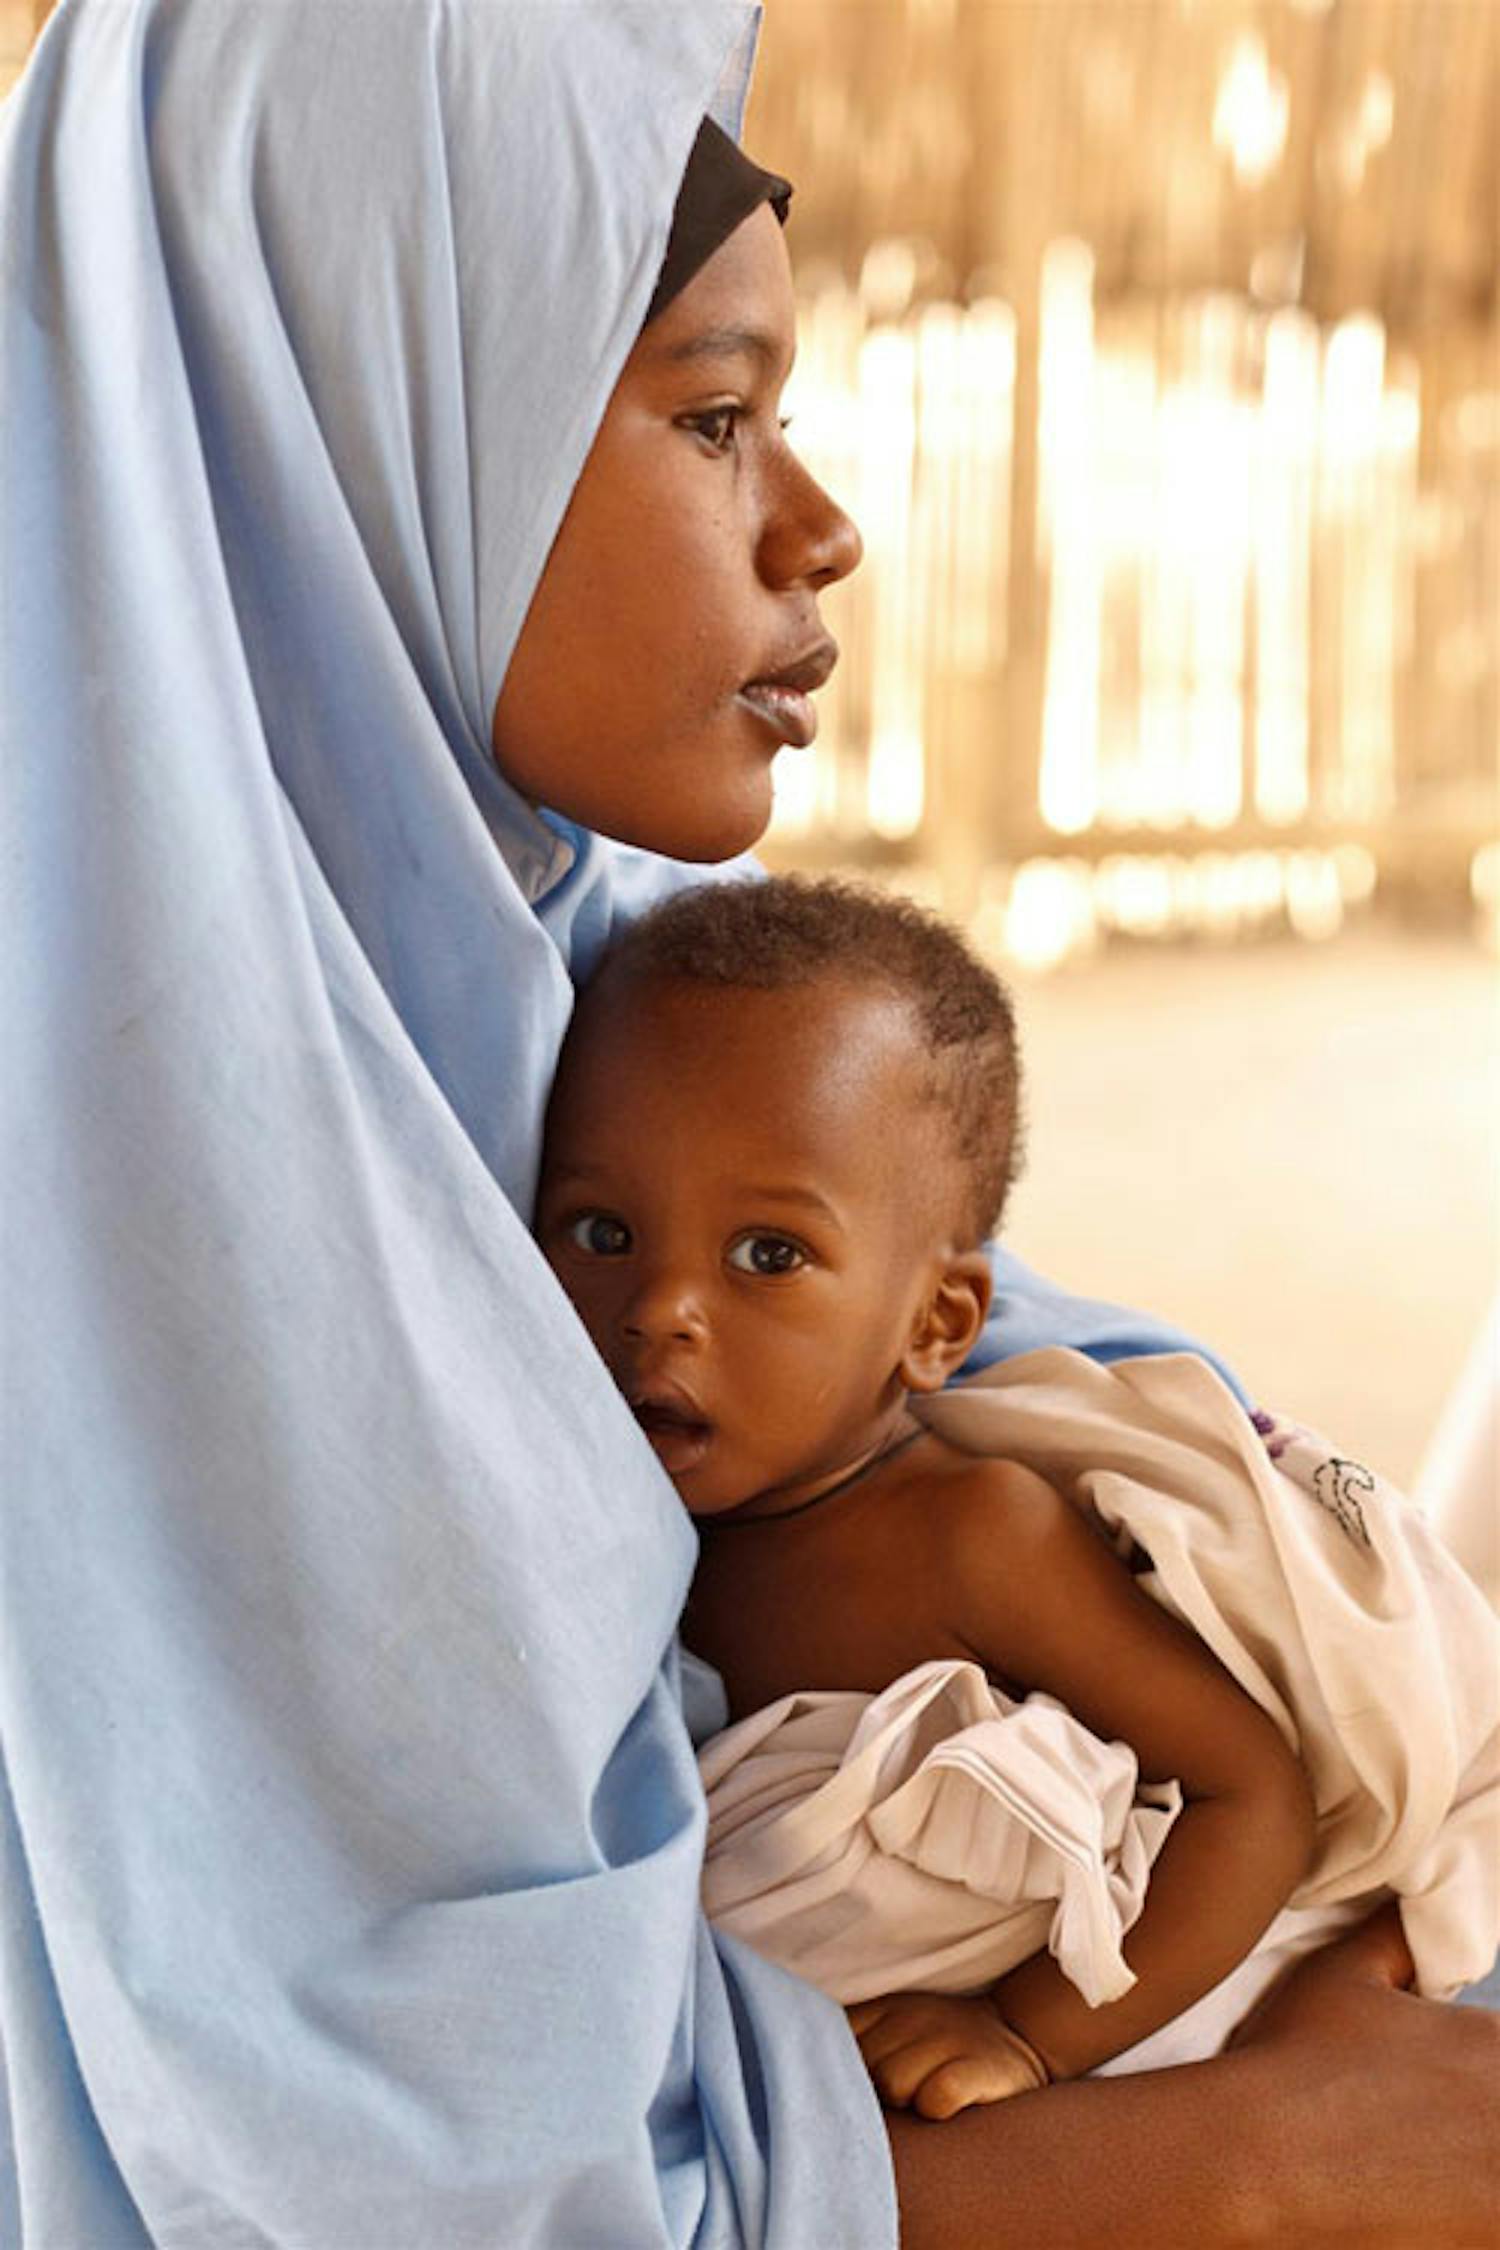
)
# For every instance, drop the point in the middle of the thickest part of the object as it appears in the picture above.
(938, 2053)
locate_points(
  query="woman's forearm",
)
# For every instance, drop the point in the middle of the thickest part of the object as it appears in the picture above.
(1165, 2157)
(1217, 2154)
(1353, 2117)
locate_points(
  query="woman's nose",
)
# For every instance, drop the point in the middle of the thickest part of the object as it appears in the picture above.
(807, 539)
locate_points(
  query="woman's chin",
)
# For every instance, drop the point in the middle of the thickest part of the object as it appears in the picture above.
(701, 833)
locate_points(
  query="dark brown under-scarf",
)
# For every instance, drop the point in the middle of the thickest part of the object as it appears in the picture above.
(720, 188)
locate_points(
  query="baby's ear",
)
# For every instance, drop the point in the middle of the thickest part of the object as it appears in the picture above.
(945, 1329)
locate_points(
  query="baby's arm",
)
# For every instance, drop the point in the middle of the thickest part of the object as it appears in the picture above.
(1042, 1602)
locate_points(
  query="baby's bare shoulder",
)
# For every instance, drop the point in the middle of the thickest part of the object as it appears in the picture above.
(981, 1480)
(1018, 1562)
(977, 1500)
(982, 1548)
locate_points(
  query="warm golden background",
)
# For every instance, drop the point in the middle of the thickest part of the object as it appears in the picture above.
(1154, 343)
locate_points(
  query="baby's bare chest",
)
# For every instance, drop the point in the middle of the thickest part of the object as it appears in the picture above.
(819, 1607)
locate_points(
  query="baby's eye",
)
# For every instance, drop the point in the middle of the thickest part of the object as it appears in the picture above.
(716, 425)
(600, 1235)
(767, 1254)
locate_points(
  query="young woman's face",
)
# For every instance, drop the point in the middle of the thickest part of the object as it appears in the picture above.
(673, 641)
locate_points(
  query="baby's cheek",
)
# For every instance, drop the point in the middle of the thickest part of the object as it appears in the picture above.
(579, 1296)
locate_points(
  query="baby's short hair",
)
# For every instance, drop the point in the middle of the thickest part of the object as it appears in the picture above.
(791, 930)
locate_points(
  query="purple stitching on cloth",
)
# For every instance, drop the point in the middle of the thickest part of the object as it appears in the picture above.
(1275, 1441)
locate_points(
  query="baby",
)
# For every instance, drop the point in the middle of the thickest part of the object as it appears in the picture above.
(783, 1127)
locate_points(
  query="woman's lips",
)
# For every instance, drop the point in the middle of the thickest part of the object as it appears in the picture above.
(678, 1438)
(788, 712)
(783, 698)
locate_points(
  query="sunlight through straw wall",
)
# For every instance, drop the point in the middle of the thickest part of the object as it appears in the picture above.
(1225, 546)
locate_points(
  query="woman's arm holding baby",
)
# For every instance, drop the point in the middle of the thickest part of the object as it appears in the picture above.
(1349, 2115)
(1042, 1602)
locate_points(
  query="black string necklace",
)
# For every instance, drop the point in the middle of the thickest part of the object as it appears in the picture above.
(732, 1520)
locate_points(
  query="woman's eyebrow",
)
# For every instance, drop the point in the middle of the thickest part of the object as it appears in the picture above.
(727, 343)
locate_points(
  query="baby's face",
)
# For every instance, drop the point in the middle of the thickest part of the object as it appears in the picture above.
(742, 1193)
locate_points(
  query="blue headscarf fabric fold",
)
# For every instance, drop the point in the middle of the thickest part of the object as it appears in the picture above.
(350, 1829)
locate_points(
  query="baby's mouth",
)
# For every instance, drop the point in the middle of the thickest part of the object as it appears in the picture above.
(677, 1434)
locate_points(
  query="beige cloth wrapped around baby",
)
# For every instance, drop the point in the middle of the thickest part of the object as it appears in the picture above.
(931, 1837)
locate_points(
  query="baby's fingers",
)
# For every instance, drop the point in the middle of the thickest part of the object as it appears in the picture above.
(899, 2072)
(966, 2081)
(953, 2086)
(884, 2027)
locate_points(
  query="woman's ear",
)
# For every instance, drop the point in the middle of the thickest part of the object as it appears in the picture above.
(948, 1322)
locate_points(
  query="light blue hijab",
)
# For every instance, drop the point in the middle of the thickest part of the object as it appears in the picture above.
(349, 1828)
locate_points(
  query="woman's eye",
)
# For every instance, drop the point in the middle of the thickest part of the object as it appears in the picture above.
(600, 1235)
(717, 426)
(767, 1254)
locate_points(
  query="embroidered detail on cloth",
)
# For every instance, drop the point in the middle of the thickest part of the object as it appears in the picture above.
(1333, 1481)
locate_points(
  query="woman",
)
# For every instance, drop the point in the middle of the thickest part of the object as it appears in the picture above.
(350, 1824)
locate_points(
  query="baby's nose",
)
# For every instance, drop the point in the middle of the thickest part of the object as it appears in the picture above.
(665, 1306)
